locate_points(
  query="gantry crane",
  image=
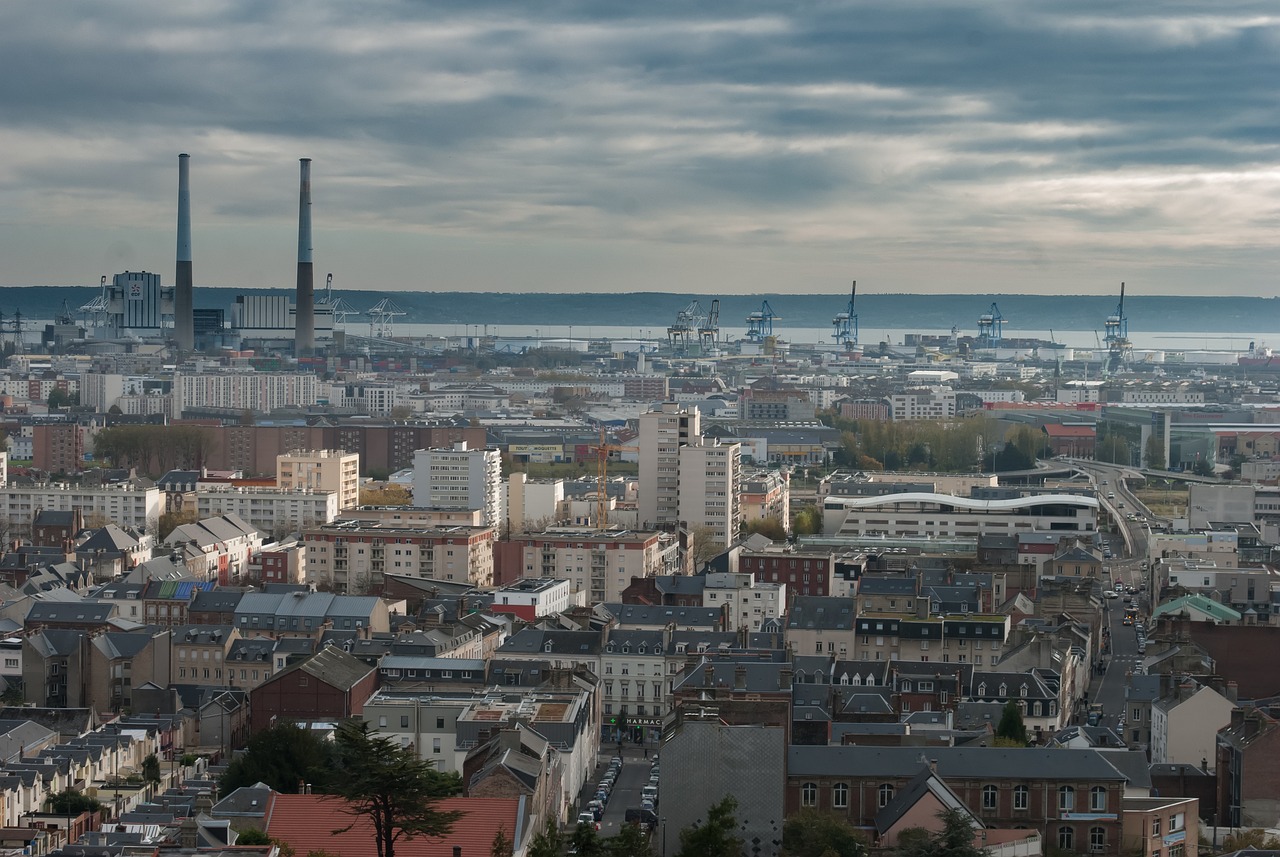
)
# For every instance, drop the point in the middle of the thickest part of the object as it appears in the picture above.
(990, 327)
(846, 323)
(603, 449)
(1116, 336)
(382, 318)
(339, 307)
(689, 322)
(760, 323)
(95, 311)
(709, 332)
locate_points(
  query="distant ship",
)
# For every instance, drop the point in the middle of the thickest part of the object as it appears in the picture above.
(1259, 355)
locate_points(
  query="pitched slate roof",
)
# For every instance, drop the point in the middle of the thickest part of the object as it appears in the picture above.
(332, 666)
(961, 762)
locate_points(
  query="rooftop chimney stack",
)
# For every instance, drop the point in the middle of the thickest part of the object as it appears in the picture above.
(304, 334)
(183, 322)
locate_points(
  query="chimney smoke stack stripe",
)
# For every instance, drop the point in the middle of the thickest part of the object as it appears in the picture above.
(304, 325)
(183, 290)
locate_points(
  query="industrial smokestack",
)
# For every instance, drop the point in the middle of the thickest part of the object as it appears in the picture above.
(304, 333)
(183, 322)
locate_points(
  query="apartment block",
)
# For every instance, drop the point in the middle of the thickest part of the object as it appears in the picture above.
(459, 478)
(321, 470)
(710, 473)
(662, 433)
(598, 563)
(352, 557)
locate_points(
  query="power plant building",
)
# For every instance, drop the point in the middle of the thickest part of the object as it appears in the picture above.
(138, 306)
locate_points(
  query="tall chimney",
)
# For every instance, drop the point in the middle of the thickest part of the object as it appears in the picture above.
(183, 323)
(304, 334)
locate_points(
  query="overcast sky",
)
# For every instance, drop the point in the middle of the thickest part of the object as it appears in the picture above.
(713, 147)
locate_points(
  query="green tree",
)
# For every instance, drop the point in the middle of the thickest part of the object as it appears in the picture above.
(282, 756)
(807, 521)
(71, 802)
(1256, 838)
(502, 845)
(151, 769)
(390, 786)
(1153, 451)
(956, 839)
(62, 399)
(548, 842)
(253, 836)
(585, 842)
(770, 528)
(1011, 727)
(810, 833)
(715, 837)
(632, 841)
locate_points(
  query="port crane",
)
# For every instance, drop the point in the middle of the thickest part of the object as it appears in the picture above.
(382, 318)
(760, 323)
(603, 450)
(709, 330)
(340, 308)
(990, 327)
(688, 324)
(95, 311)
(1116, 336)
(846, 323)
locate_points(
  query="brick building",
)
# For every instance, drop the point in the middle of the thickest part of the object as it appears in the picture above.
(330, 685)
(57, 447)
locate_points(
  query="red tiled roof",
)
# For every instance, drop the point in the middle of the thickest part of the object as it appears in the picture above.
(307, 823)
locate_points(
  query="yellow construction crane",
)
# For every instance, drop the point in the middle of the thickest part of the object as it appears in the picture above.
(602, 476)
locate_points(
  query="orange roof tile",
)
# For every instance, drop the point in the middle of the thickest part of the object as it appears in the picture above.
(307, 822)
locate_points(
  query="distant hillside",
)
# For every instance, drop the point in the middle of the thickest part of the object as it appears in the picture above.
(875, 311)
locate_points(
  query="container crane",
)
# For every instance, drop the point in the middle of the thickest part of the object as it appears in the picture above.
(990, 327)
(846, 323)
(709, 332)
(688, 322)
(603, 449)
(340, 308)
(1116, 336)
(760, 323)
(382, 318)
(95, 311)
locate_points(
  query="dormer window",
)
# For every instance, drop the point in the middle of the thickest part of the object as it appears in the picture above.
(982, 689)
(546, 647)
(1024, 690)
(1004, 690)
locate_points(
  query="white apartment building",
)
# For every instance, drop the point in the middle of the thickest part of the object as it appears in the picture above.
(260, 392)
(598, 563)
(125, 504)
(459, 478)
(931, 403)
(750, 603)
(710, 476)
(321, 470)
(534, 597)
(943, 515)
(269, 509)
(662, 433)
(534, 504)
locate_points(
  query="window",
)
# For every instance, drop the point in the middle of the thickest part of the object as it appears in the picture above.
(1155, 825)
(439, 722)
(1021, 797)
(1066, 838)
(404, 721)
(382, 722)
(809, 794)
(1097, 839)
(840, 795)
(989, 794)
(1066, 800)
(435, 745)
(884, 794)
(1097, 799)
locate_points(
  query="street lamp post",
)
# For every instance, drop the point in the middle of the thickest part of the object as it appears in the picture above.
(664, 836)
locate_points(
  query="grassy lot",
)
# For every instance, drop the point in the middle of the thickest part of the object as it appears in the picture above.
(1167, 503)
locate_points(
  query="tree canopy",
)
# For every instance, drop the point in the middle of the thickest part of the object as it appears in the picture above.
(390, 786)
(282, 756)
(717, 836)
(956, 839)
(1011, 727)
(810, 833)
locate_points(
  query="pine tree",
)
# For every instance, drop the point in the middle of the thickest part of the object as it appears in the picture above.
(391, 786)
